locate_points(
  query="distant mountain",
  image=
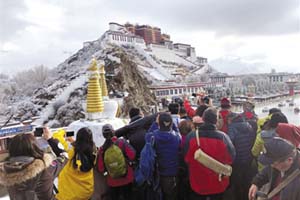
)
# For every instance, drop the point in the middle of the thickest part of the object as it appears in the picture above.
(236, 65)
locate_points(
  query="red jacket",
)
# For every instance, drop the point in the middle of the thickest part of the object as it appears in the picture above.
(215, 143)
(189, 110)
(224, 114)
(130, 155)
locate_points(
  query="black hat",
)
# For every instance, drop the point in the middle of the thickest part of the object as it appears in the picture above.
(276, 149)
(277, 118)
(107, 128)
(165, 121)
(274, 110)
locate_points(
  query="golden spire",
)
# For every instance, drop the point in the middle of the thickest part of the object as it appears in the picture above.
(103, 81)
(94, 97)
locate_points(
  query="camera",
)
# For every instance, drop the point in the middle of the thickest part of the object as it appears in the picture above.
(69, 133)
(38, 132)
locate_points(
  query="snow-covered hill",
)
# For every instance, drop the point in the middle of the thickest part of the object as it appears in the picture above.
(129, 68)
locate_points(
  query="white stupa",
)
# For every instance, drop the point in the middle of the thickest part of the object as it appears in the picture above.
(100, 109)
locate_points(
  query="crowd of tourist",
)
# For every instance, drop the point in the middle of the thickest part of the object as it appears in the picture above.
(179, 154)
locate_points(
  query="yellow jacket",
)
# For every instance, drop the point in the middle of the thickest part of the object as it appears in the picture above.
(74, 184)
(259, 142)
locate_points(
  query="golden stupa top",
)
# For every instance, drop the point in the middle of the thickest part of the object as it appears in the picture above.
(102, 69)
(93, 66)
(94, 94)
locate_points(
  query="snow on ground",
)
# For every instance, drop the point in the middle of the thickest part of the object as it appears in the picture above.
(202, 70)
(154, 73)
(157, 66)
(169, 55)
(48, 110)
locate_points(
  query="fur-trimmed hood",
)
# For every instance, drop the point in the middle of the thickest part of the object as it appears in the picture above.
(22, 170)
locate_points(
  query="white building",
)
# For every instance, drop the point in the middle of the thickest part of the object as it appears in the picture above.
(117, 34)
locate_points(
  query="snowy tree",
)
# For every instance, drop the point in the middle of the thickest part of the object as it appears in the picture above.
(29, 80)
(26, 110)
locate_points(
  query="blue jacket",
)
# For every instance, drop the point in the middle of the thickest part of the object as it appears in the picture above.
(167, 146)
(242, 136)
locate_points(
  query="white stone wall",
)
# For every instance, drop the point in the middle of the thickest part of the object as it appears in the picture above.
(122, 39)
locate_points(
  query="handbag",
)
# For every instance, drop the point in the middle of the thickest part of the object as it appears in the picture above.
(209, 162)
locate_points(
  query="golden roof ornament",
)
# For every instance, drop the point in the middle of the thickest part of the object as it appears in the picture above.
(93, 65)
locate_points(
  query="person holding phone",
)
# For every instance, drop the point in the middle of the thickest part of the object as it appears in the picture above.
(76, 181)
(29, 172)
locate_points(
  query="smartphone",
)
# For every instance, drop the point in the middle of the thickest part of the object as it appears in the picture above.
(38, 132)
(69, 133)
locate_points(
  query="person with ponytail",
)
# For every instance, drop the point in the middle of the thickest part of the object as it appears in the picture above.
(119, 187)
(76, 180)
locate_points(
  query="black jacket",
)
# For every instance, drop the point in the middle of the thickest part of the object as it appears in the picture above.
(135, 131)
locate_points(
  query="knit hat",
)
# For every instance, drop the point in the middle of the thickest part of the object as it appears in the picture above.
(106, 130)
(225, 102)
(276, 149)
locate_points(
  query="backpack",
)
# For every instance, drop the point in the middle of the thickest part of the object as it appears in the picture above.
(146, 167)
(147, 174)
(115, 162)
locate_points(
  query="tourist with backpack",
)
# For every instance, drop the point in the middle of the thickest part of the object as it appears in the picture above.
(114, 159)
(167, 146)
(204, 181)
(76, 180)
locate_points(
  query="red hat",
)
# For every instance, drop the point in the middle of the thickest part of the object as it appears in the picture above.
(225, 102)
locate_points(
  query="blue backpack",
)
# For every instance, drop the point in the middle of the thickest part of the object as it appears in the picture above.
(145, 170)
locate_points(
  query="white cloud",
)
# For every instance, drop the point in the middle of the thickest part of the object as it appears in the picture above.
(46, 32)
